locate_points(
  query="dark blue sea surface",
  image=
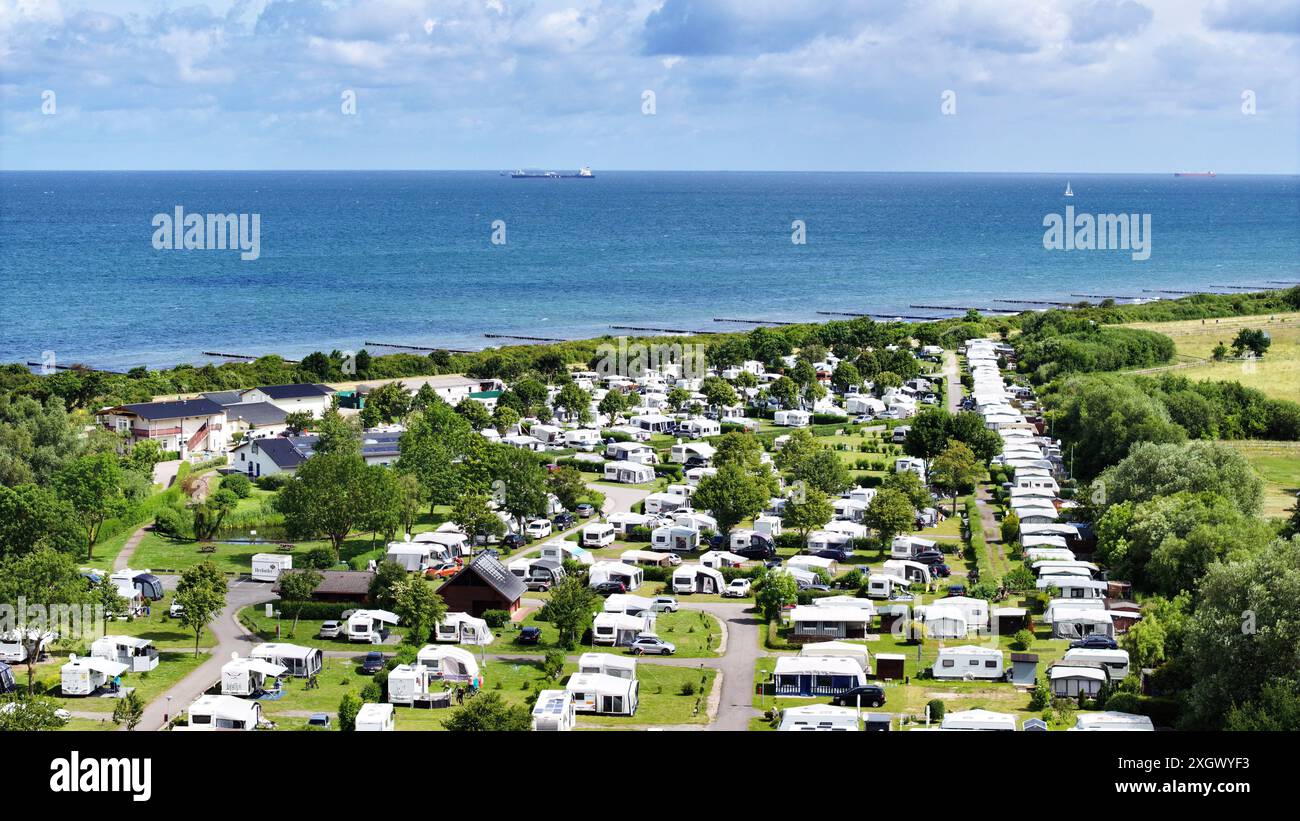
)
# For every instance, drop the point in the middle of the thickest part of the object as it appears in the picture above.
(407, 257)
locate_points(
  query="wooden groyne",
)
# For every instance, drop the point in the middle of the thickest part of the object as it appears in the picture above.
(415, 347)
(756, 321)
(248, 357)
(680, 331)
(883, 316)
(1105, 296)
(961, 308)
(1034, 302)
(527, 338)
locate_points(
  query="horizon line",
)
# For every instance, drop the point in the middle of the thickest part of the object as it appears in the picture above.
(644, 171)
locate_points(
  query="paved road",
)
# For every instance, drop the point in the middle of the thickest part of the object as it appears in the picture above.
(619, 499)
(952, 381)
(231, 638)
(736, 666)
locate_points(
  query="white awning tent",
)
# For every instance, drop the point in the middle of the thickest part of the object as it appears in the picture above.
(462, 628)
(943, 622)
(83, 676)
(721, 558)
(598, 693)
(627, 603)
(300, 661)
(448, 663)
(839, 649)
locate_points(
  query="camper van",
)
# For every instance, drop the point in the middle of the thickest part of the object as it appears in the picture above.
(301, 662)
(554, 711)
(267, 567)
(607, 664)
(621, 629)
(597, 535)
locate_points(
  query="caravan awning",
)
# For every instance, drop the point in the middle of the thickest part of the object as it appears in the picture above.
(108, 668)
(264, 667)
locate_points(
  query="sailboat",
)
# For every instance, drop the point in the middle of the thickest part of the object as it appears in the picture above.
(1068, 191)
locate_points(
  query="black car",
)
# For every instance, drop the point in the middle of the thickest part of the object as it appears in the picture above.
(514, 541)
(943, 571)
(374, 662)
(756, 550)
(930, 557)
(956, 590)
(1095, 641)
(833, 553)
(609, 588)
(530, 635)
(565, 520)
(873, 695)
(717, 542)
(695, 462)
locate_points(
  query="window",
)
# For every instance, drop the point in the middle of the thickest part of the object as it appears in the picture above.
(991, 664)
(948, 663)
(974, 662)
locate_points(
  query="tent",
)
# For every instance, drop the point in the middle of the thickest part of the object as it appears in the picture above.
(621, 629)
(299, 661)
(602, 694)
(462, 628)
(816, 676)
(448, 663)
(696, 578)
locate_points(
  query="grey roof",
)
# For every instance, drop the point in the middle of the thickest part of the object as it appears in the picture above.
(298, 391)
(224, 397)
(256, 413)
(495, 575)
(374, 445)
(281, 451)
(177, 409)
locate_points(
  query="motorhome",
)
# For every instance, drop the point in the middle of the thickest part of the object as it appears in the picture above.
(554, 711)
(267, 567)
(819, 717)
(301, 662)
(597, 535)
(607, 664)
(602, 694)
(248, 676)
(968, 661)
(675, 538)
(376, 718)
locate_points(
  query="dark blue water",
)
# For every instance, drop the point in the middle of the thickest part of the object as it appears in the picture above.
(406, 256)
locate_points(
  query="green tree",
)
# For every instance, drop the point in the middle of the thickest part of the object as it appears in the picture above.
(909, 485)
(201, 593)
(383, 587)
(33, 517)
(1010, 528)
(30, 714)
(92, 485)
(380, 503)
(336, 434)
(43, 581)
(129, 710)
(295, 422)
(846, 376)
(574, 402)
(799, 445)
(211, 512)
(806, 511)
(954, 470)
(327, 495)
(1254, 340)
(889, 514)
(391, 402)
(522, 485)
(570, 609)
(434, 448)
(297, 588)
(489, 712)
(785, 392)
(824, 469)
(1099, 418)
(929, 434)
(474, 412)
(678, 399)
(612, 404)
(731, 495)
(410, 499)
(473, 515)
(718, 394)
(773, 591)
(349, 707)
(1151, 470)
(420, 608)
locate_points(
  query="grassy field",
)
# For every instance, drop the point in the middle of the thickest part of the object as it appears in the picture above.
(696, 635)
(1276, 374)
(307, 633)
(1279, 465)
(165, 633)
(661, 700)
(171, 668)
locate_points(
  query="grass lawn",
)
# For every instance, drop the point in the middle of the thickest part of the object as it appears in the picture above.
(166, 633)
(696, 635)
(308, 632)
(661, 697)
(1279, 465)
(1276, 374)
(172, 667)
(83, 725)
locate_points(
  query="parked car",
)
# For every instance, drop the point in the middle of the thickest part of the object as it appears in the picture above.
(695, 462)
(822, 587)
(443, 571)
(664, 604)
(956, 590)
(585, 511)
(931, 557)
(331, 629)
(176, 610)
(319, 720)
(538, 529)
(873, 695)
(738, 589)
(833, 553)
(1095, 641)
(565, 519)
(609, 588)
(373, 662)
(514, 541)
(943, 571)
(537, 585)
(653, 645)
(530, 635)
(758, 548)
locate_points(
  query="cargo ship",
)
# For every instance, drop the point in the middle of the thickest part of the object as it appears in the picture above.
(583, 173)
(1193, 173)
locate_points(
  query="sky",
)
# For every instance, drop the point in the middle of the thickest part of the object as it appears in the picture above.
(1126, 86)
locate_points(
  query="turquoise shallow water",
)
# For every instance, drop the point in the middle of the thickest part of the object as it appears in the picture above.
(407, 257)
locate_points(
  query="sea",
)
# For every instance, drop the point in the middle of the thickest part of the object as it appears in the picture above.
(443, 258)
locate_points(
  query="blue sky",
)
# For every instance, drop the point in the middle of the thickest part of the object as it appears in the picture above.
(1052, 85)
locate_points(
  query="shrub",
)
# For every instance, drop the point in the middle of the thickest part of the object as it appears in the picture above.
(688, 688)
(372, 692)
(496, 618)
(274, 481)
(553, 663)
(1022, 640)
(238, 484)
(319, 558)
(937, 709)
(1041, 696)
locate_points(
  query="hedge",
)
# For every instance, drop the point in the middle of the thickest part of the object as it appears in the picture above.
(321, 610)
(146, 509)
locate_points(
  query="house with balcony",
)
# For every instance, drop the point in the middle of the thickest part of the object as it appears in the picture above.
(185, 425)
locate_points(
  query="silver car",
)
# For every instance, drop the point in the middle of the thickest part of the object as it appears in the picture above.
(331, 629)
(652, 645)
